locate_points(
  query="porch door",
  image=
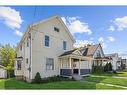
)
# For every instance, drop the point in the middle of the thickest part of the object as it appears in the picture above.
(76, 68)
(75, 71)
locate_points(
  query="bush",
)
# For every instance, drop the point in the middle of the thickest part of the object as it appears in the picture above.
(108, 67)
(97, 69)
(54, 79)
(37, 78)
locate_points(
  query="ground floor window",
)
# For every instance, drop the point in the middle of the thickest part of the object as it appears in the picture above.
(49, 64)
(19, 64)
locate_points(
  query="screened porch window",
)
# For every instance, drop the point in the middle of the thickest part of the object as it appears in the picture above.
(19, 64)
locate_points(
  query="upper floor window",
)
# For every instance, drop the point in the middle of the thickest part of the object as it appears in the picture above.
(49, 64)
(64, 45)
(27, 43)
(21, 47)
(98, 53)
(46, 40)
(56, 29)
(27, 60)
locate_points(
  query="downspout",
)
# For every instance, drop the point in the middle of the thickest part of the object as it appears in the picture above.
(30, 57)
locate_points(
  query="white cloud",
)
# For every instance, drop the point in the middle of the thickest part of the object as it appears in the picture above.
(81, 43)
(18, 33)
(10, 17)
(111, 39)
(119, 24)
(91, 38)
(111, 28)
(76, 26)
(101, 39)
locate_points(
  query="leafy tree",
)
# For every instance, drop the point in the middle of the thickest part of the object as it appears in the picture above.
(7, 54)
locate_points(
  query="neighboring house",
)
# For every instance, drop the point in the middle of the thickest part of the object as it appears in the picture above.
(124, 61)
(47, 48)
(116, 60)
(95, 54)
(3, 72)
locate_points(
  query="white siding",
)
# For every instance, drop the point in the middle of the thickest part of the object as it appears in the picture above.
(40, 52)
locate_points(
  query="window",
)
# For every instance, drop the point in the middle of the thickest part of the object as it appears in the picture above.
(98, 53)
(27, 60)
(56, 29)
(27, 43)
(21, 47)
(49, 64)
(46, 40)
(19, 64)
(64, 45)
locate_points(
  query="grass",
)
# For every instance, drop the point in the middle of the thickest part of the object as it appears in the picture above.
(15, 84)
(108, 80)
(119, 74)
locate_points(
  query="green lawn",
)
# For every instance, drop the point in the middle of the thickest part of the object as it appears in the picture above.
(108, 80)
(120, 74)
(89, 83)
(14, 84)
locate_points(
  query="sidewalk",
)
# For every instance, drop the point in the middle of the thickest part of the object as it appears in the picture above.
(124, 87)
(109, 76)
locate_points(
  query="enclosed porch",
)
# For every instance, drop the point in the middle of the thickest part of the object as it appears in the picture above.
(101, 61)
(74, 65)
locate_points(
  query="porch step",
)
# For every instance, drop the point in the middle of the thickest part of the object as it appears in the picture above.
(77, 77)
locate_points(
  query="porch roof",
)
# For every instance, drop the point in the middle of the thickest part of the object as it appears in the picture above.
(19, 58)
(75, 57)
(103, 58)
(75, 53)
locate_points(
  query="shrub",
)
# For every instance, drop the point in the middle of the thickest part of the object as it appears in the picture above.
(97, 69)
(37, 78)
(54, 79)
(108, 67)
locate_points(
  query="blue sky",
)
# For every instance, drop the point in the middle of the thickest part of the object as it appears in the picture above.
(88, 24)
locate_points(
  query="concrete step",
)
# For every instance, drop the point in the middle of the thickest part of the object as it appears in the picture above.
(77, 77)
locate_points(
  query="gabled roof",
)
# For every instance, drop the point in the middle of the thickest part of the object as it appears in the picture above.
(35, 24)
(89, 50)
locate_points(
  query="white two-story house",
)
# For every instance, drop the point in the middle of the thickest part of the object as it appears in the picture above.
(40, 50)
(47, 48)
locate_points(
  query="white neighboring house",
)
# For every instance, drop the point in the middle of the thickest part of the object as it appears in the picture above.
(40, 50)
(95, 54)
(124, 61)
(3, 72)
(116, 60)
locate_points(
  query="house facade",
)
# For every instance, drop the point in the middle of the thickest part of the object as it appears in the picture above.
(47, 48)
(116, 60)
(40, 47)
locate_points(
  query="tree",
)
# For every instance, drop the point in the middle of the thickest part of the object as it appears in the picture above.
(7, 54)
